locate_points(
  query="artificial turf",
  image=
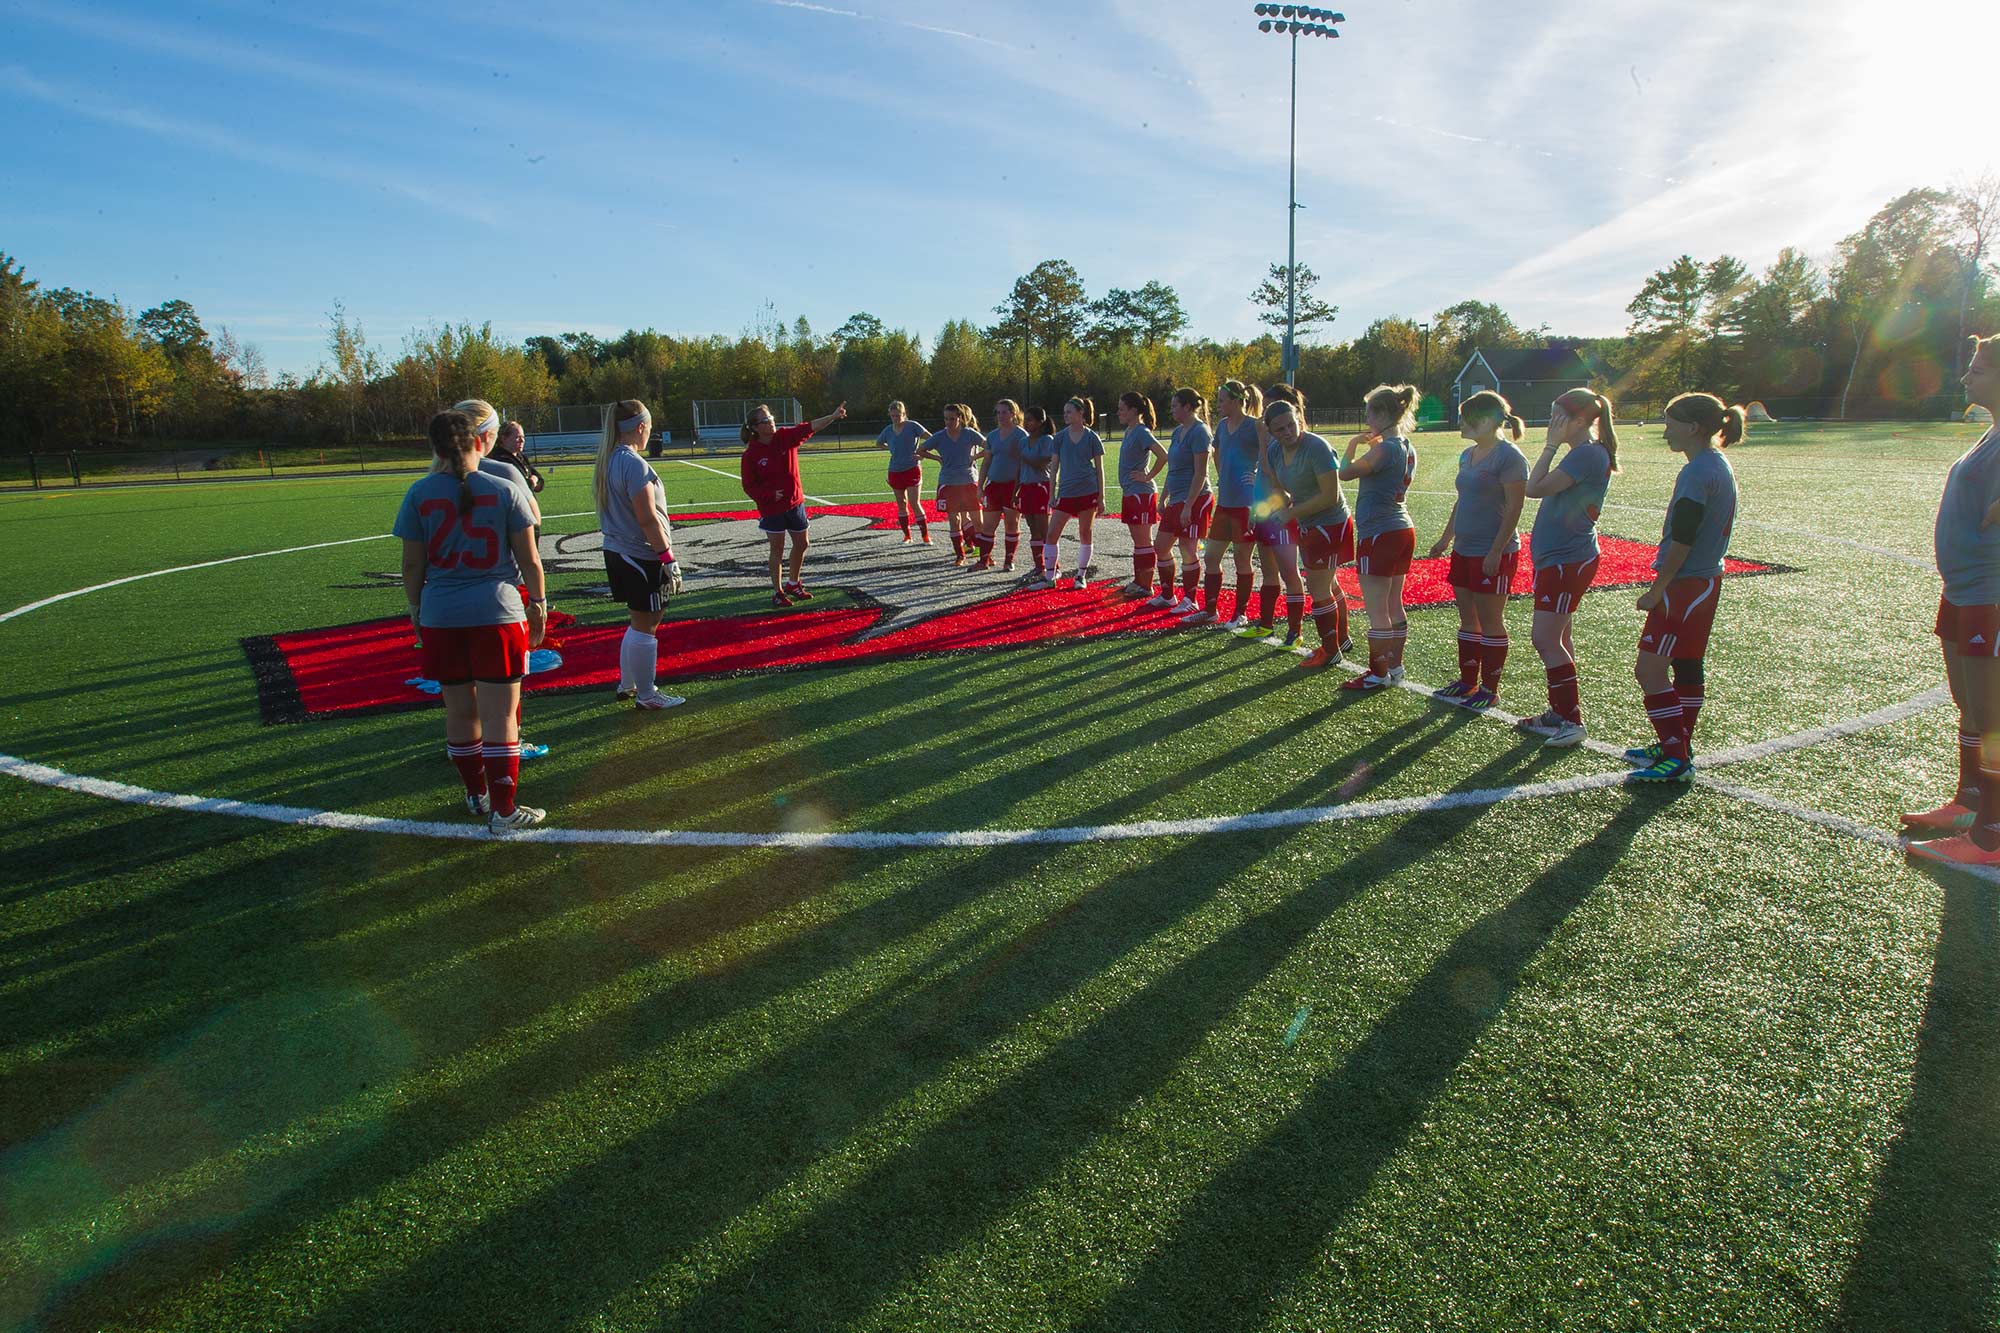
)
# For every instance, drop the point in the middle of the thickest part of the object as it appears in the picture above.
(1618, 1059)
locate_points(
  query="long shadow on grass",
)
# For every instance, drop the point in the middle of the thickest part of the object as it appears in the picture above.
(690, 1173)
(1929, 1256)
(1228, 1262)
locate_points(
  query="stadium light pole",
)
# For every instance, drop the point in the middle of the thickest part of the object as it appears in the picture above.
(1294, 21)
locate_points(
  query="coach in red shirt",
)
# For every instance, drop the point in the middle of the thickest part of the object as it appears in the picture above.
(771, 479)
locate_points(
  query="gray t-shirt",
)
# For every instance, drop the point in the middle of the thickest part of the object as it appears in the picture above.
(630, 476)
(1038, 456)
(1378, 495)
(470, 572)
(1076, 470)
(1968, 555)
(1191, 445)
(1235, 464)
(955, 456)
(1003, 455)
(1300, 474)
(1482, 496)
(903, 443)
(1565, 531)
(510, 474)
(1135, 451)
(1710, 482)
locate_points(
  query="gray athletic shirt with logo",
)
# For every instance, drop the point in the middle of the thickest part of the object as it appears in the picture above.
(1189, 442)
(903, 442)
(1710, 482)
(1378, 495)
(1300, 475)
(955, 456)
(1003, 455)
(1235, 464)
(1481, 497)
(1565, 531)
(1134, 452)
(1968, 555)
(629, 475)
(1075, 474)
(470, 572)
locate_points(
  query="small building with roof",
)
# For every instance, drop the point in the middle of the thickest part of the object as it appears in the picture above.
(1528, 377)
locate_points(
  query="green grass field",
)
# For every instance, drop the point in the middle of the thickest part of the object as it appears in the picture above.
(1549, 1055)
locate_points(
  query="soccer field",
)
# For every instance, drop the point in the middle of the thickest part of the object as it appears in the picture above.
(1042, 968)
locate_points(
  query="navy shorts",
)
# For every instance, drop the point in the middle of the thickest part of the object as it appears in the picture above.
(791, 520)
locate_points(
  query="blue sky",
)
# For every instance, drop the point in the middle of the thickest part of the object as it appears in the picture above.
(674, 165)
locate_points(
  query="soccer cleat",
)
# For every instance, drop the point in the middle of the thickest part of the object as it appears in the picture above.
(1346, 644)
(1007, 568)
(1184, 606)
(1453, 692)
(927, 539)
(1198, 617)
(1259, 630)
(907, 539)
(530, 750)
(982, 563)
(1394, 676)
(478, 805)
(1365, 683)
(1239, 624)
(958, 562)
(625, 692)
(1081, 583)
(1645, 755)
(1318, 658)
(523, 816)
(797, 592)
(1951, 817)
(1159, 599)
(655, 701)
(1040, 583)
(1669, 769)
(1566, 734)
(1291, 639)
(780, 599)
(1134, 591)
(1958, 851)
(1479, 700)
(1544, 725)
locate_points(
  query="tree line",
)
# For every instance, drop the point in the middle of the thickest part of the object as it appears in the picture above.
(1877, 328)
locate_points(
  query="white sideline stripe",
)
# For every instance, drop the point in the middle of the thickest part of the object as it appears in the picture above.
(182, 569)
(816, 499)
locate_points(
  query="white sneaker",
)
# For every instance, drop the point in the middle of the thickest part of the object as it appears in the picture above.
(1395, 676)
(478, 805)
(625, 692)
(1198, 617)
(656, 700)
(524, 816)
(1241, 622)
(1082, 583)
(1564, 736)
(1184, 607)
(1161, 600)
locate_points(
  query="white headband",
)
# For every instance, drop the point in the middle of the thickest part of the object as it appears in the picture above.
(491, 421)
(633, 423)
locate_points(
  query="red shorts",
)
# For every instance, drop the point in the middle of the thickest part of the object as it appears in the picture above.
(1971, 631)
(1032, 497)
(1204, 513)
(1080, 504)
(1139, 509)
(1387, 554)
(1000, 494)
(1232, 524)
(902, 481)
(1468, 572)
(1325, 547)
(495, 654)
(959, 497)
(1559, 588)
(1679, 625)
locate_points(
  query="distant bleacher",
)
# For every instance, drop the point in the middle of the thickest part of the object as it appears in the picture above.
(576, 443)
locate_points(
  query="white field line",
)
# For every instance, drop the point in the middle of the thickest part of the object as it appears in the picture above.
(735, 477)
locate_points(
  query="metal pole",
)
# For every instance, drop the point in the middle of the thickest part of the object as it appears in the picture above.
(1292, 232)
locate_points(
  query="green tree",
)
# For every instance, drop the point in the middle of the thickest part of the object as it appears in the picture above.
(1269, 298)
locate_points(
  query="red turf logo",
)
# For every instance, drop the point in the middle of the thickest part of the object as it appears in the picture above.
(878, 599)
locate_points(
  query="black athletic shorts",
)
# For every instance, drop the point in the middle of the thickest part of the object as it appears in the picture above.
(640, 584)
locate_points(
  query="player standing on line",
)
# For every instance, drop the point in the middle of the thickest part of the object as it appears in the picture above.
(1385, 535)
(467, 542)
(1687, 582)
(1563, 546)
(1079, 487)
(1315, 518)
(1038, 456)
(638, 548)
(1968, 623)
(1236, 452)
(956, 449)
(906, 475)
(1140, 459)
(770, 471)
(1483, 534)
(1000, 492)
(1190, 502)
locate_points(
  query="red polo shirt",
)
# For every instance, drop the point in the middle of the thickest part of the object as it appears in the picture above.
(771, 471)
